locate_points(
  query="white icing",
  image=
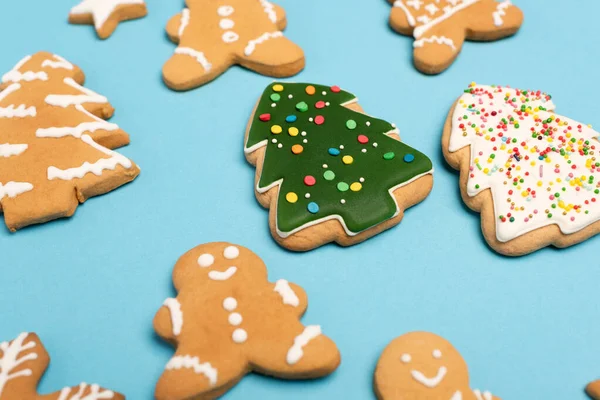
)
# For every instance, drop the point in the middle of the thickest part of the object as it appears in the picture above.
(429, 382)
(457, 396)
(95, 168)
(10, 359)
(231, 252)
(409, 16)
(405, 358)
(431, 8)
(482, 395)
(65, 100)
(79, 130)
(235, 319)
(226, 23)
(96, 393)
(11, 111)
(13, 189)
(9, 150)
(435, 39)
(230, 304)
(437, 354)
(206, 260)
(193, 363)
(499, 13)
(448, 12)
(15, 75)
(176, 315)
(415, 4)
(251, 46)
(198, 55)
(287, 293)
(222, 276)
(225, 11)
(239, 336)
(60, 63)
(270, 10)
(101, 10)
(295, 352)
(230, 37)
(185, 20)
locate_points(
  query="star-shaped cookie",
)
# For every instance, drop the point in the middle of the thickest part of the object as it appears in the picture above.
(105, 15)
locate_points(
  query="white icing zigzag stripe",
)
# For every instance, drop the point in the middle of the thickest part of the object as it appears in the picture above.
(435, 39)
(270, 10)
(21, 111)
(198, 55)
(77, 131)
(251, 46)
(95, 393)
(176, 315)
(9, 150)
(222, 276)
(409, 16)
(95, 168)
(13, 189)
(10, 358)
(295, 352)
(420, 30)
(483, 396)
(287, 293)
(189, 362)
(61, 63)
(185, 20)
(65, 100)
(15, 76)
(499, 13)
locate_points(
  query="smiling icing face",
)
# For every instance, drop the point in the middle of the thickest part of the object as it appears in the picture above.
(420, 365)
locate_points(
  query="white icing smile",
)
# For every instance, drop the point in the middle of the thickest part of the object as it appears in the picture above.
(429, 382)
(222, 275)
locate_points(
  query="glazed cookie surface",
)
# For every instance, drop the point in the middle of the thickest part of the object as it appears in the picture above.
(229, 320)
(327, 171)
(105, 15)
(23, 362)
(424, 366)
(440, 27)
(54, 142)
(213, 35)
(532, 174)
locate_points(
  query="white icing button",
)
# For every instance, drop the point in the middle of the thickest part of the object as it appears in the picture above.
(230, 304)
(226, 23)
(231, 252)
(230, 37)
(225, 11)
(405, 358)
(437, 354)
(235, 319)
(206, 260)
(239, 336)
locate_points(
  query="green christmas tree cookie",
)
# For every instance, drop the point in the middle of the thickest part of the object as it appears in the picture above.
(327, 171)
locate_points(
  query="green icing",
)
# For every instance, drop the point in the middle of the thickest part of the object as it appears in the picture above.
(374, 171)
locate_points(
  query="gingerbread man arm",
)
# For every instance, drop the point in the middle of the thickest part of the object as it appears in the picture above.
(163, 325)
(401, 20)
(437, 48)
(593, 390)
(281, 17)
(491, 20)
(173, 27)
(83, 391)
(292, 295)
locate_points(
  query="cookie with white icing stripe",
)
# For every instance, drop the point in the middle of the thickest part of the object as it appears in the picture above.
(440, 27)
(424, 366)
(533, 175)
(213, 35)
(105, 15)
(229, 320)
(23, 362)
(54, 142)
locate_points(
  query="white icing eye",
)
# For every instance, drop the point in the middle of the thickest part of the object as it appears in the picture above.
(239, 336)
(235, 319)
(231, 252)
(437, 354)
(206, 260)
(230, 304)
(405, 358)
(226, 23)
(230, 37)
(225, 11)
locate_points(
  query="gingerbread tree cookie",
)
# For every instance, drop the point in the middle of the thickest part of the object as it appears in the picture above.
(440, 27)
(424, 366)
(228, 320)
(23, 363)
(534, 175)
(215, 34)
(327, 171)
(54, 143)
(105, 15)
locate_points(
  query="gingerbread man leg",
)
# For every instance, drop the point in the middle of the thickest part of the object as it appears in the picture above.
(272, 54)
(437, 48)
(492, 20)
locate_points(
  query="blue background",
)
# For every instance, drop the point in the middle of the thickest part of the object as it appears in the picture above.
(90, 285)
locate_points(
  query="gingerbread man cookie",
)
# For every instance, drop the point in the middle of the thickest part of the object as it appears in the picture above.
(228, 320)
(105, 15)
(215, 34)
(424, 366)
(23, 363)
(54, 142)
(440, 27)
(531, 173)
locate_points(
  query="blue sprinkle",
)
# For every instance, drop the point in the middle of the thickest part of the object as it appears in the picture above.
(313, 207)
(333, 151)
(291, 118)
(409, 158)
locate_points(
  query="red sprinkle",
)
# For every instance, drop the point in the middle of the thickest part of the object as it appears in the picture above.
(309, 180)
(335, 89)
(319, 119)
(362, 139)
(265, 117)
(320, 104)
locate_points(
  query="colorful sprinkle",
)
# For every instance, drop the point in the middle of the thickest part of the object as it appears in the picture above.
(362, 139)
(265, 117)
(343, 186)
(312, 207)
(302, 106)
(276, 129)
(310, 90)
(319, 120)
(291, 197)
(335, 89)
(320, 104)
(275, 97)
(293, 131)
(329, 175)
(278, 88)
(347, 160)
(408, 158)
(291, 118)
(351, 124)
(297, 149)
(333, 151)
(355, 187)
(389, 156)
(309, 180)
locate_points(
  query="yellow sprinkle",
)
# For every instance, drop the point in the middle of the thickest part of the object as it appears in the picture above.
(293, 131)
(355, 187)
(276, 129)
(347, 160)
(291, 197)
(278, 88)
